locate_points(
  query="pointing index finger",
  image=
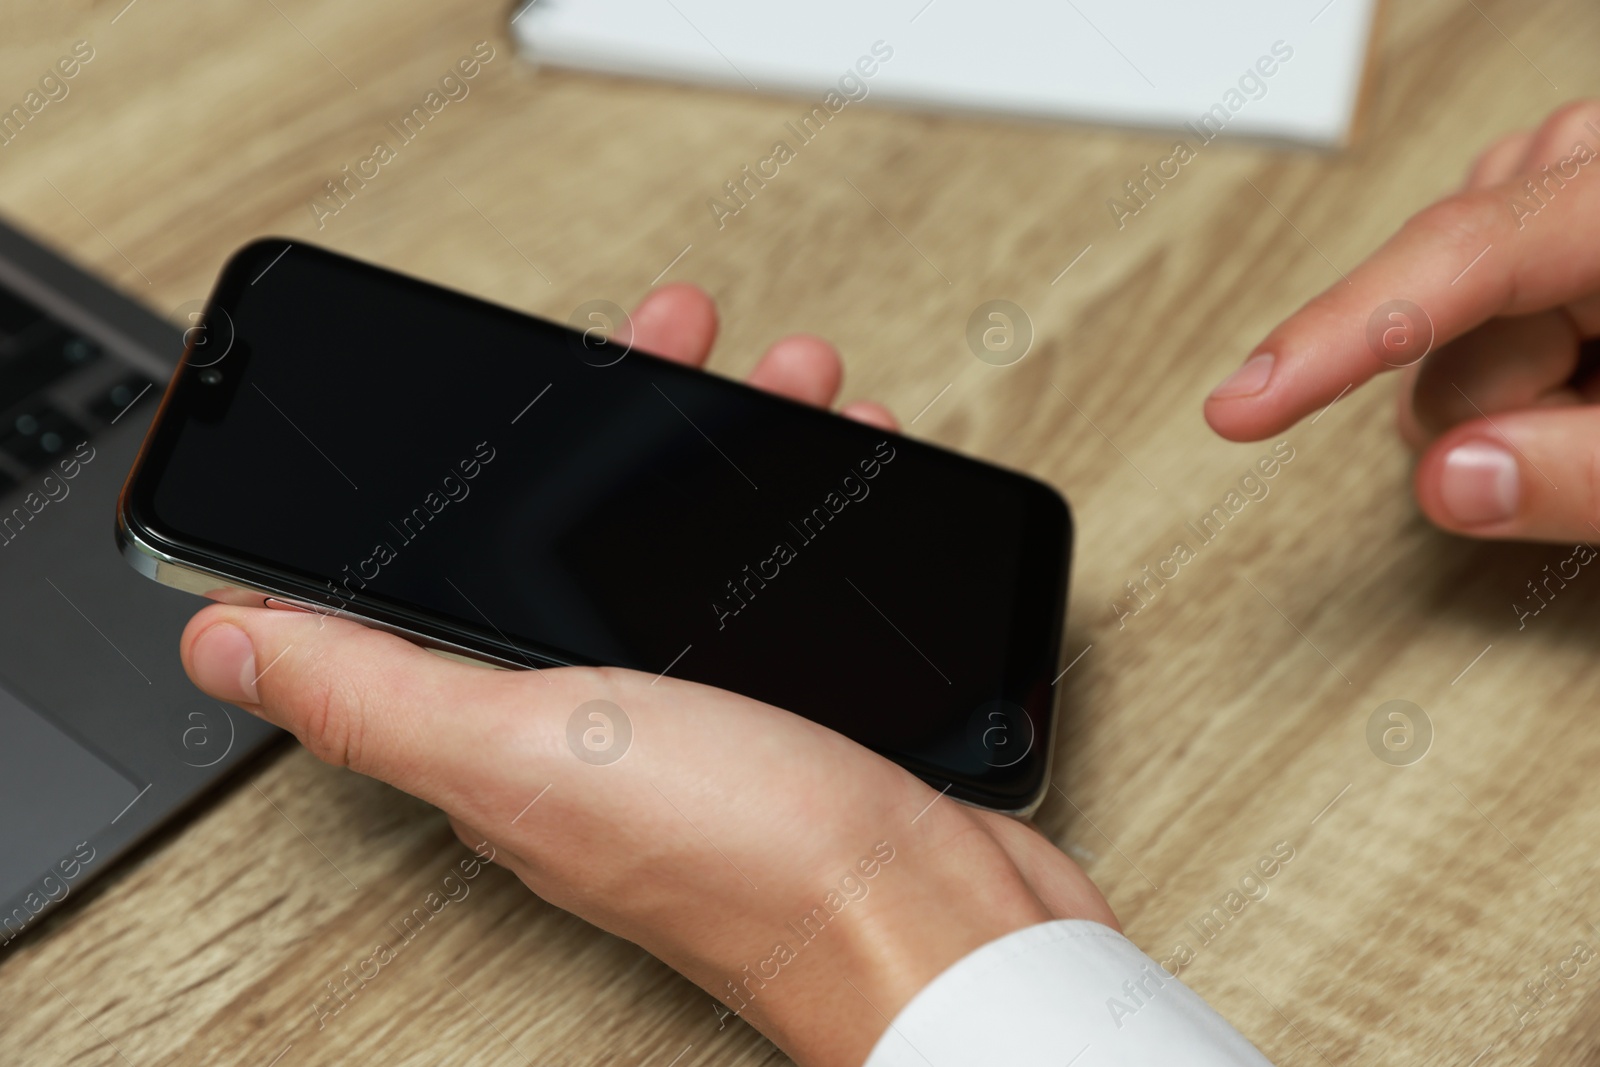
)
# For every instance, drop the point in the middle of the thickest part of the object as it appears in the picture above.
(1481, 253)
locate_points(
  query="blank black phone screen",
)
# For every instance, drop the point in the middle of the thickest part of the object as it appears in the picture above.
(378, 444)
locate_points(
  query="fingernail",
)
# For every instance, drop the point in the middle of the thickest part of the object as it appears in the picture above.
(225, 664)
(1480, 484)
(1248, 380)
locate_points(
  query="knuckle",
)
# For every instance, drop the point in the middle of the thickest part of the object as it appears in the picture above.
(1496, 162)
(1468, 220)
(332, 712)
(1570, 122)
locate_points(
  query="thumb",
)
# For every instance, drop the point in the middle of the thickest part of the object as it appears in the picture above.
(1530, 475)
(373, 702)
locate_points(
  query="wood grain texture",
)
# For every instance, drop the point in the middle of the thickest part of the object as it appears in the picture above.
(1226, 717)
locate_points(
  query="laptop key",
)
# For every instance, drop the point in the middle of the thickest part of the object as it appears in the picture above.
(135, 388)
(16, 315)
(79, 351)
(39, 357)
(41, 435)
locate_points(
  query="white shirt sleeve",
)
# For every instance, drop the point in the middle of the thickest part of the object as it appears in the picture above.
(1071, 993)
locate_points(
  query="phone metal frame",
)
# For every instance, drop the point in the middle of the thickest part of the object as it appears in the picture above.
(159, 566)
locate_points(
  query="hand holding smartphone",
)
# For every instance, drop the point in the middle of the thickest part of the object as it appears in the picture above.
(348, 440)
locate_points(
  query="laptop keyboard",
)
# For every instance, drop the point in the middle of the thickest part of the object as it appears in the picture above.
(57, 388)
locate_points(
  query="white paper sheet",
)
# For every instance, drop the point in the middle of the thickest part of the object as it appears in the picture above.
(1152, 63)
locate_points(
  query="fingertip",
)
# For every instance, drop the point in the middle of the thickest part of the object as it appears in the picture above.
(1469, 482)
(809, 347)
(680, 294)
(1237, 408)
(1249, 381)
(262, 624)
(1235, 420)
(228, 650)
(803, 367)
(872, 413)
(1527, 475)
(677, 321)
(221, 661)
(204, 621)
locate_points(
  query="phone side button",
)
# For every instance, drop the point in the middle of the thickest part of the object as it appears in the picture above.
(285, 605)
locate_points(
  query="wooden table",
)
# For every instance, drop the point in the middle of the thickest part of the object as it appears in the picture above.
(1229, 717)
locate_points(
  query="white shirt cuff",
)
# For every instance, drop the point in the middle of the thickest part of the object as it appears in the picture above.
(1070, 992)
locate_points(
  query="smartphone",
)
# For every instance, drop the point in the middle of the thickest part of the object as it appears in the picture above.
(348, 440)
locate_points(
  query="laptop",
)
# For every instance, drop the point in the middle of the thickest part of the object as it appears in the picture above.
(102, 736)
